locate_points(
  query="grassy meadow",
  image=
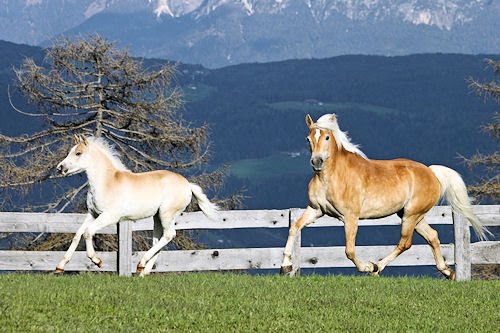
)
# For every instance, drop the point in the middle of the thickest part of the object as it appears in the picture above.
(215, 302)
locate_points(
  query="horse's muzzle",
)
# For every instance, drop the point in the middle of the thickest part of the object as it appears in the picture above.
(317, 163)
(61, 169)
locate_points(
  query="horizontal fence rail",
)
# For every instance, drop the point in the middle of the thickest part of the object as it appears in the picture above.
(462, 253)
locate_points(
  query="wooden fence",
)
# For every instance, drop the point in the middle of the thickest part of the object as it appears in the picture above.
(462, 253)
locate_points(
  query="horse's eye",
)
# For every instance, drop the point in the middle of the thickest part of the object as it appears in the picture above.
(307, 139)
(327, 138)
(78, 154)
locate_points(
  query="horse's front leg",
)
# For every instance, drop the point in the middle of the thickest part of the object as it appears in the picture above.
(102, 221)
(351, 229)
(310, 215)
(74, 244)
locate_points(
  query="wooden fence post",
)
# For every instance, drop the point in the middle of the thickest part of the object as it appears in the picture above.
(462, 247)
(125, 248)
(295, 250)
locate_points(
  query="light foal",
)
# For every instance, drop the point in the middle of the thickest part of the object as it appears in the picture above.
(117, 194)
(349, 186)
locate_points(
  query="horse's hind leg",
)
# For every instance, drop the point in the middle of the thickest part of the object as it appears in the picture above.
(407, 226)
(431, 236)
(168, 233)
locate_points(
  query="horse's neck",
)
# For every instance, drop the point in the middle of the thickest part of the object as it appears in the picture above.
(101, 169)
(338, 168)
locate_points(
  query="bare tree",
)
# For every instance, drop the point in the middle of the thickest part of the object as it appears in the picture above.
(88, 86)
(489, 186)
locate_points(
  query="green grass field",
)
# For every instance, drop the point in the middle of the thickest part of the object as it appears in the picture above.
(212, 302)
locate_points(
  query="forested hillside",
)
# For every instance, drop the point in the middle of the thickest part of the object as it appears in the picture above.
(418, 106)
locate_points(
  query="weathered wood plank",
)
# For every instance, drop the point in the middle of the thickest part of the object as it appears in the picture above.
(229, 259)
(45, 222)
(322, 257)
(47, 218)
(233, 219)
(269, 258)
(69, 223)
(215, 259)
(485, 252)
(489, 215)
(47, 261)
(437, 215)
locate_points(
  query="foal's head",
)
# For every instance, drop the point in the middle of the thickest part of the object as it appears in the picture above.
(77, 159)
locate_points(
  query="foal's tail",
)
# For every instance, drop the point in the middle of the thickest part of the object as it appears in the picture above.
(454, 190)
(208, 208)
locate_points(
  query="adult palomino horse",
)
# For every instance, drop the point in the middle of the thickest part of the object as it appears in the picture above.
(349, 186)
(117, 194)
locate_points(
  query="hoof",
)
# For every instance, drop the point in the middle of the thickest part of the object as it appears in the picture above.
(375, 268)
(286, 270)
(59, 271)
(99, 263)
(140, 269)
(452, 276)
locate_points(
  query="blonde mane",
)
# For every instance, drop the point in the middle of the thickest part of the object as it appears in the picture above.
(329, 122)
(110, 151)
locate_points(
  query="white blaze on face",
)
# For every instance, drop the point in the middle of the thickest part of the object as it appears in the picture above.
(317, 135)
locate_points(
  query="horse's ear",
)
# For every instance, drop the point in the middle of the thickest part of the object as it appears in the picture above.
(84, 140)
(309, 121)
(76, 138)
(333, 117)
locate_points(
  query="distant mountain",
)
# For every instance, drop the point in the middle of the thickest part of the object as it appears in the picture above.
(216, 33)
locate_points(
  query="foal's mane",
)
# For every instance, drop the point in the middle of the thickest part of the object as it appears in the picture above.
(109, 150)
(329, 122)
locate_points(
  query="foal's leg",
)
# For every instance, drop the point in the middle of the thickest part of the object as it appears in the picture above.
(310, 215)
(102, 221)
(407, 226)
(351, 229)
(431, 236)
(167, 222)
(157, 233)
(74, 244)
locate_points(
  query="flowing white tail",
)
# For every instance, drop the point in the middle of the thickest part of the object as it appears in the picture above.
(208, 208)
(455, 192)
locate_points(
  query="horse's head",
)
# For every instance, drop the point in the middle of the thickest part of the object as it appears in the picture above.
(326, 140)
(321, 140)
(77, 159)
